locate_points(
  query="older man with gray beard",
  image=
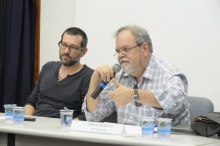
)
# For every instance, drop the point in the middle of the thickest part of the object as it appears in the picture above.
(145, 86)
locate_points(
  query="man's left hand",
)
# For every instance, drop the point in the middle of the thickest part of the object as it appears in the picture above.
(121, 95)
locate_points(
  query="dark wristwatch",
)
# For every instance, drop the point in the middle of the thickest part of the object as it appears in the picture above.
(136, 98)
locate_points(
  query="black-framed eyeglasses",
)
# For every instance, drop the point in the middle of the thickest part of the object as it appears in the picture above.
(72, 48)
(125, 50)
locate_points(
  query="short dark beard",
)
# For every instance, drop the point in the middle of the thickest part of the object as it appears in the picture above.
(72, 61)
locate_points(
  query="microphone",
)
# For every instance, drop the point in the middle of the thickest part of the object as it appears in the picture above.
(116, 67)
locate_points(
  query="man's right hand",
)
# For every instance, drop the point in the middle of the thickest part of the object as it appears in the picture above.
(103, 73)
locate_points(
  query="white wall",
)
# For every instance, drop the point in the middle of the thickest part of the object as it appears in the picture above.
(184, 32)
(56, 16)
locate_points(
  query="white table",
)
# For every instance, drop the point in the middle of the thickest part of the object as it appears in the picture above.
(47, 131)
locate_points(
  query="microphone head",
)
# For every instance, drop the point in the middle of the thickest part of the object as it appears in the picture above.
(116, 67)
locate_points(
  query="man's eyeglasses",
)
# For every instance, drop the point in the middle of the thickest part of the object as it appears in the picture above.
(72, 48)
(125, 50)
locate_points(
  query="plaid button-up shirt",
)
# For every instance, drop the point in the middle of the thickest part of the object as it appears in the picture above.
(169, 86)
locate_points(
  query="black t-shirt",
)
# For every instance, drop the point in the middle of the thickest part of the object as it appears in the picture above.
(50, 95)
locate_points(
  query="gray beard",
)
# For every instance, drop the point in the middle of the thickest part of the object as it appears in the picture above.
(127, 70)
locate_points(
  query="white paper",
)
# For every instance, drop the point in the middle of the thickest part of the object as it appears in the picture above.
(130, 130)
(2, 118)
(97, 127)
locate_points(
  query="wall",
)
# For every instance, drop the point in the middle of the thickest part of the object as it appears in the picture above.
(184, 32)
(56, 16)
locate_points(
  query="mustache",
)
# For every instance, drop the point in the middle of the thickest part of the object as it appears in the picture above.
(124, 59)
(65, 54)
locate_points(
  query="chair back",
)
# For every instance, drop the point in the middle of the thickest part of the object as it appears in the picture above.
(200, 106)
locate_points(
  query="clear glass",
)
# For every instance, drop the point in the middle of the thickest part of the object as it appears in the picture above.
(147, 125)
(18, 115)
(164, 128)
(66, 117)
(9, 112)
